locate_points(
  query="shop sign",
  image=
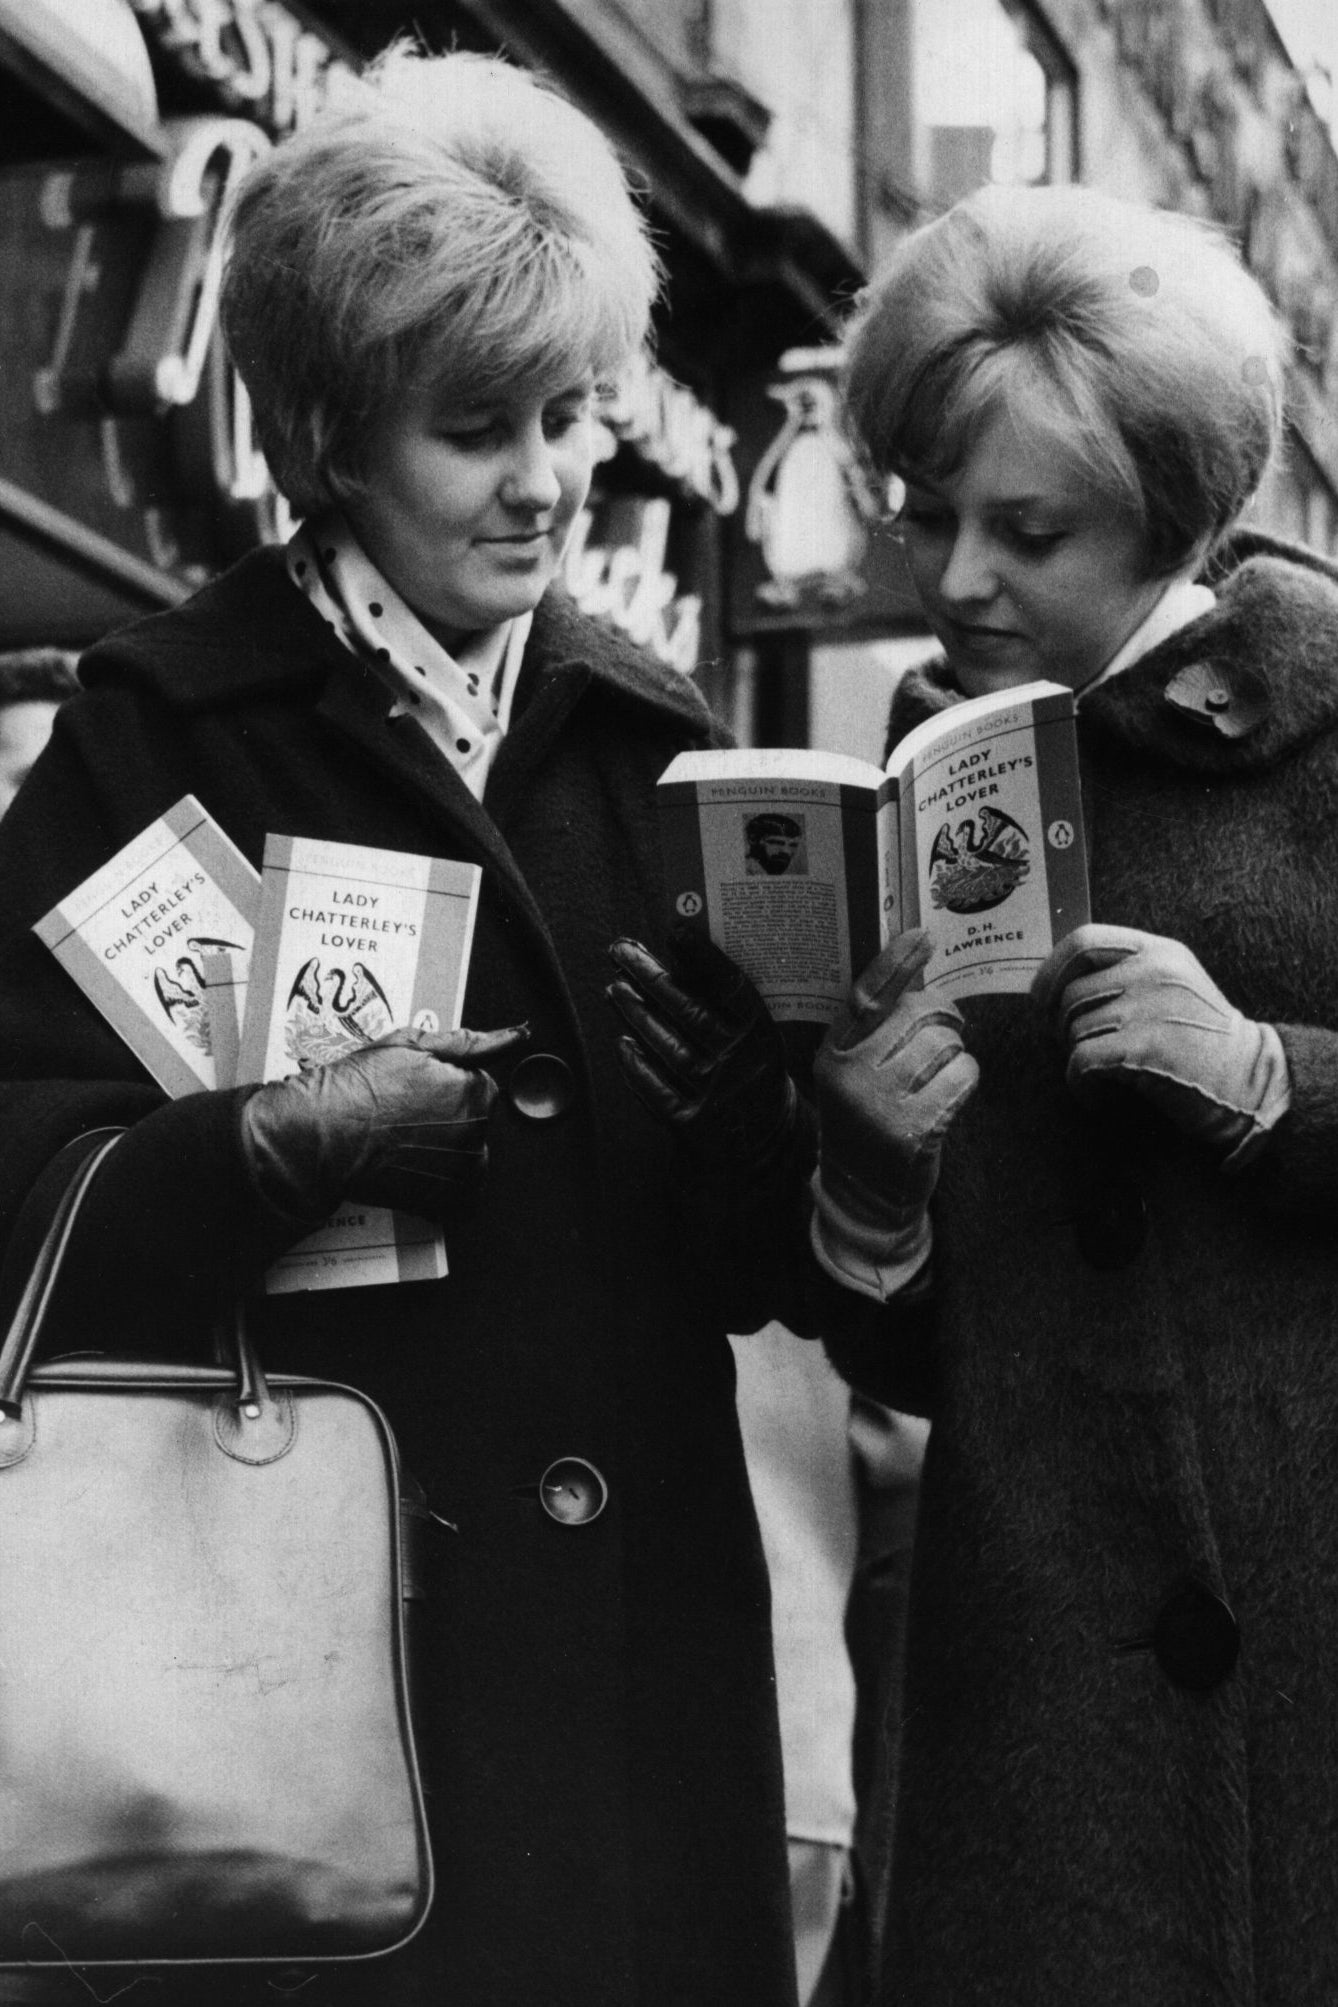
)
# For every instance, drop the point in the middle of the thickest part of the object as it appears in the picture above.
(615, 570)
(671, 429)
(161, 357)
(261, 60)
(135, 425)
(811, 550)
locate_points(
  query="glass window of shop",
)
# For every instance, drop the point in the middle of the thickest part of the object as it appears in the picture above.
(993, 98)
(1296, 499)
(798, 58)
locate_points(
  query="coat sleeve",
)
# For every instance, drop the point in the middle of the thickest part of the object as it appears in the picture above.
(172, 1222)
(1298, 1171)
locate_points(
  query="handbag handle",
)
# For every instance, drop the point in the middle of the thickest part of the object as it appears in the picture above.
(30, 1315)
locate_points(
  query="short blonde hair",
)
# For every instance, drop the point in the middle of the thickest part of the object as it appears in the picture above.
(451, 220)
(1157, 351)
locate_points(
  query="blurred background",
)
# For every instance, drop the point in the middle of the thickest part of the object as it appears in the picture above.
(783, 146)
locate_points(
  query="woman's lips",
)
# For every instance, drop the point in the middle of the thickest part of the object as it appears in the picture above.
(986, 636)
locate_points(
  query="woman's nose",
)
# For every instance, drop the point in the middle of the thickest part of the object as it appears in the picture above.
(531, 480)
(969, 573)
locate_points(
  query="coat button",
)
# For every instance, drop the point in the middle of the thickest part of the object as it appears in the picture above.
(572, 1491)
(1195, 1637)
(1111, 1225)
(541, 1087)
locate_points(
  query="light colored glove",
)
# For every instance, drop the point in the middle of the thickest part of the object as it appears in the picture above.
(889, 1079)
(1140, 1011)
(402, 1122)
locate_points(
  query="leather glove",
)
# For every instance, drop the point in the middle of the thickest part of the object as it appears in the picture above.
(1140, 1011)
(890, 1077)
(703, 1053)
(402, 1122)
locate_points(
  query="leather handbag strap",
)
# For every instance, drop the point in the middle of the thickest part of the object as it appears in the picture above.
(90, 1153)
(25, 1329)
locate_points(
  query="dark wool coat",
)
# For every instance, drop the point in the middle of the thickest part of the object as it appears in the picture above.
(603, 1753)
(1133, 1369)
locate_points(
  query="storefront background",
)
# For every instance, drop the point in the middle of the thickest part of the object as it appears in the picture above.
(783, 146)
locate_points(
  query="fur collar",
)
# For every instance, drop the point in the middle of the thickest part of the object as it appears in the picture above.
(1251, 679)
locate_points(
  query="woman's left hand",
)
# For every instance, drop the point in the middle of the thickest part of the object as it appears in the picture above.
(1141, 1011)
(702, 1052)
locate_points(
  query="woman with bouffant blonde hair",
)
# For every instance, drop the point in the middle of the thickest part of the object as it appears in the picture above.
(1090, 1230)
(429, 289)
(442, 223)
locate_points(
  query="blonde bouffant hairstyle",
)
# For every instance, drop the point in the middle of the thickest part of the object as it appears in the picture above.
(1157, 353)
(449, 221)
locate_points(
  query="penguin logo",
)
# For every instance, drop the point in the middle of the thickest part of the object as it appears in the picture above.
(809, 506)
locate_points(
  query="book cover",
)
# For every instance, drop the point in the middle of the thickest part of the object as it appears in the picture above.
(136, 934)
(787, 858)
(801, 864)
(350, 943)
(993, 859)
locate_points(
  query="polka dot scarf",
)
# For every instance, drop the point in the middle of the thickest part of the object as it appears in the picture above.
(462, 702)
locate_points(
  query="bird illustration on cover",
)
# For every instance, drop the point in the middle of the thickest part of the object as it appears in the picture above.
(978, 862)
(331, 1010)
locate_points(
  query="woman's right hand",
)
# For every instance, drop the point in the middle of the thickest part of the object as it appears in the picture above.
(402, 1122)
(890, 1078)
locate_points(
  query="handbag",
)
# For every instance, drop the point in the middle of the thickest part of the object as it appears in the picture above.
(206, 1752)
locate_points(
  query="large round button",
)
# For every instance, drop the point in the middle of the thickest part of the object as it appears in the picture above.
(1111, 1224)
(1195, 1637)
(572, 1491)
(541, 1087)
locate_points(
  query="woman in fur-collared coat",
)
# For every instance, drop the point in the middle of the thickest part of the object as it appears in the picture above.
(1092, 1231)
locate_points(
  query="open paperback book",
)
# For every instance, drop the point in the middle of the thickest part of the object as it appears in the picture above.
(802, 864)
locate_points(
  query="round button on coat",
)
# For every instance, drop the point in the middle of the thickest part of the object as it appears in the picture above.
(1111, 1225)
(541, 1087)
(1196, 1638)
(572, 1491)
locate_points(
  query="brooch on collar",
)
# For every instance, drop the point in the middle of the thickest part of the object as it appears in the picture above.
(1233, 703)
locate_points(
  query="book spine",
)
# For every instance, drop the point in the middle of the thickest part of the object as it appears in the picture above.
(223, 1003)
(681, 844)
(1059, 786)
(908, 860)
(265, 958)
(447, 942)
(860, 832)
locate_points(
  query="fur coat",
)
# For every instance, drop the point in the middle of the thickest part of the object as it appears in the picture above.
(1119, 1771)
(599, 1709)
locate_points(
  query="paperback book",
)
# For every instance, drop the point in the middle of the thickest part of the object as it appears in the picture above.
(350, 943)
(802, 864)
(136, 936)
